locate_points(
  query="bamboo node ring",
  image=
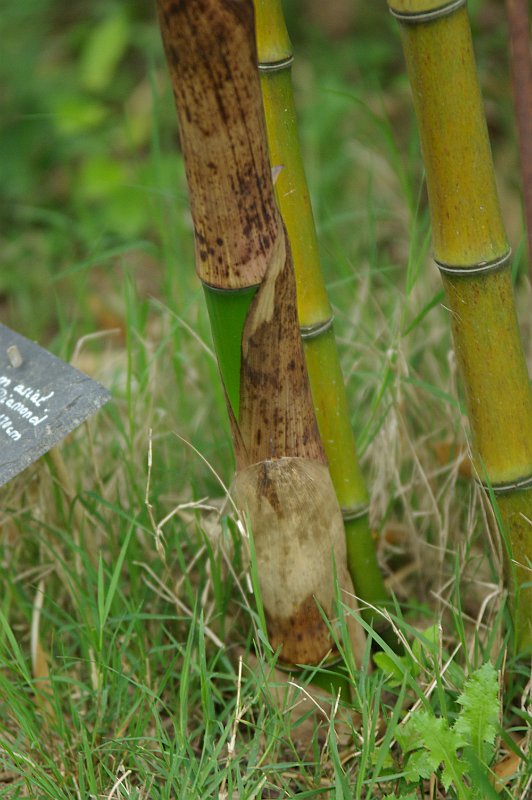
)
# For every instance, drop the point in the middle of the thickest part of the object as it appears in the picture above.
(232, 290)
(476, 269)
(311, 331)
(355, 512)
(414, 17)
(274, 66)
(503, 488)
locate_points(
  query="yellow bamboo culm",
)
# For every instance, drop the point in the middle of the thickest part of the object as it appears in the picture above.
(471, 249)
(314, 310)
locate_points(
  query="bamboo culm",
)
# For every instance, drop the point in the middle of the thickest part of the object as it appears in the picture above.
(282, 486)
(471, 249)
(314, 311)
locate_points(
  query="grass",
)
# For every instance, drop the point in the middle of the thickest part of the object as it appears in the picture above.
(133, 658)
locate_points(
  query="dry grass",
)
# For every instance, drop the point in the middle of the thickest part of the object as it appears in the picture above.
(132, 663)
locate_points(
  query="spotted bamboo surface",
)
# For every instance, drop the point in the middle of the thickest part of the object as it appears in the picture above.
(240, 243)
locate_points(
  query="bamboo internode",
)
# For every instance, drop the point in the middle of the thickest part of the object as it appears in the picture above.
(314, 310)
(244, 261)
(472, 250)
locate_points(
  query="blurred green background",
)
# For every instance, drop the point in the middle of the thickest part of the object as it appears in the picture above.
(89, 167)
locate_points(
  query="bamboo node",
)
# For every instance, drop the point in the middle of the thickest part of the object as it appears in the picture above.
(504, 488)
(428, 15)
(232, 290)
(354, 512)
(481, 268)
(312, 331)
(275, 66)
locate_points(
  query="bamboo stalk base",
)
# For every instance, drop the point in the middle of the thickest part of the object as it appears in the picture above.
(299, 544)
(309, 708)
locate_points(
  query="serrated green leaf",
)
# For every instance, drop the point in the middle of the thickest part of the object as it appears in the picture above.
(477, 721)
(409, 736)
(439, 745)
(420, 765)
(452, 772)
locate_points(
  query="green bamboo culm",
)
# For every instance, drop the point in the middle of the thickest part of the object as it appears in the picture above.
(471, 249)
(314, 310)
(243, 259)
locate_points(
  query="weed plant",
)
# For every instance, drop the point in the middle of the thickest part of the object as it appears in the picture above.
(133, 658)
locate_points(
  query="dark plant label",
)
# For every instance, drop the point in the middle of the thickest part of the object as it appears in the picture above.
(42, 399)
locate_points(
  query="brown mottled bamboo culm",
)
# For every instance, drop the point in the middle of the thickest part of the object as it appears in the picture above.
(472, 252)
(282, 484)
